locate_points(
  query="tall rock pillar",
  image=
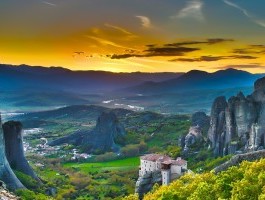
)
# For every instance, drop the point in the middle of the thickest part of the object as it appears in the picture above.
(15, 150)
(6, 173)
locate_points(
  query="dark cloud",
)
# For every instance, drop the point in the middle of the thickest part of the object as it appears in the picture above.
(130, 51)
(185, 60)
(178, 44)
(79, 52)
(244, 51)
(251, 49)
(213, 58)
(200, 59)
(126, 55)
(157, 51)
(242, 57)
(169, 51)
(173, 49)
(218, 40)
(258, 45)
(208, 41)
(251, 66)
(150, 45)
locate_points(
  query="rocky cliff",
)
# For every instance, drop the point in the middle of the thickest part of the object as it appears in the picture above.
(6, 173)
(14, 148)
(200, 119)
(199, 124)
(146, 182)
(6, 195)
(102, 137)
(238, 125)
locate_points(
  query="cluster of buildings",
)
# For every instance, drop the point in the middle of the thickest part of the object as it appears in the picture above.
(43, 149)
(170, 169)
(79, 156)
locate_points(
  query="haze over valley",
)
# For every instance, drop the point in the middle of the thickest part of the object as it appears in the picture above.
(25, 88)
(132, 100)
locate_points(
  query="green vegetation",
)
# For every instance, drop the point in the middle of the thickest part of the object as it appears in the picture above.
(204, 160)
(173, 151)
(27, 195)
(27, 181)
(244, 182)
(119, 165)
(106, 175)
(98, 180)
(155, 130)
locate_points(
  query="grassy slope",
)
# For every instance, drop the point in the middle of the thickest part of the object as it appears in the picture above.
(124, 164)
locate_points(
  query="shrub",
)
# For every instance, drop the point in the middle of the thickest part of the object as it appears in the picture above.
(130, 150)
(27, 180)
(106, 157)
(25, 194)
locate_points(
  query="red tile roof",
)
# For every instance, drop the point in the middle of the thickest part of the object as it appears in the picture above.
(155, 157)
(169, 162)
(163, 159)
(179, 162)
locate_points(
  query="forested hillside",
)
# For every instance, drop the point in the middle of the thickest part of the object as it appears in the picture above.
(245, 182)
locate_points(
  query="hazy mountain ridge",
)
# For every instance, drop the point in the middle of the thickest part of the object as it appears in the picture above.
(25, 88)
(58, 78)
(81, 112)
(200, 80)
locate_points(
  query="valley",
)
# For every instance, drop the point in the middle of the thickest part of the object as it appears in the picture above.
(90, 149)
(100, 173)
(146, 132)
(132, 100)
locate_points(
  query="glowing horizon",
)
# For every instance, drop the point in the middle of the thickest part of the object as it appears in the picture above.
(168, 36)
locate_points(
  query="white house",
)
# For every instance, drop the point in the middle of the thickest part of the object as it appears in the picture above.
(170, 169)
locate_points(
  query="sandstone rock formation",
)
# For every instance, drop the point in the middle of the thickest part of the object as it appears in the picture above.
(200, 119)
(194, 135)
(145, 183)
(6, 173)
(102, 137)
(200, 122)
(239, 123)
(6, 195)
(14, 148)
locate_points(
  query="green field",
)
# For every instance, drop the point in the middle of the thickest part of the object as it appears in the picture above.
(123, 164)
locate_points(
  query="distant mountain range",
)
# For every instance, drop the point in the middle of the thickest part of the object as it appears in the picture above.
(199, 80)
(25, 88)
(24, 77)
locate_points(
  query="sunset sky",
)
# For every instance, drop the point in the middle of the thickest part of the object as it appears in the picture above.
(134, 35)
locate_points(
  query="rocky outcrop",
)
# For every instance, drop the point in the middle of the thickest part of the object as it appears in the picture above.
(194, 135)
(217, 124)
(237, 159)
(238, 125)
(145, 183)
(200, 122)
(15, 150)
(200, 119)
(51, 191)
(102, 137)
(6, 195)
(6, 173)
